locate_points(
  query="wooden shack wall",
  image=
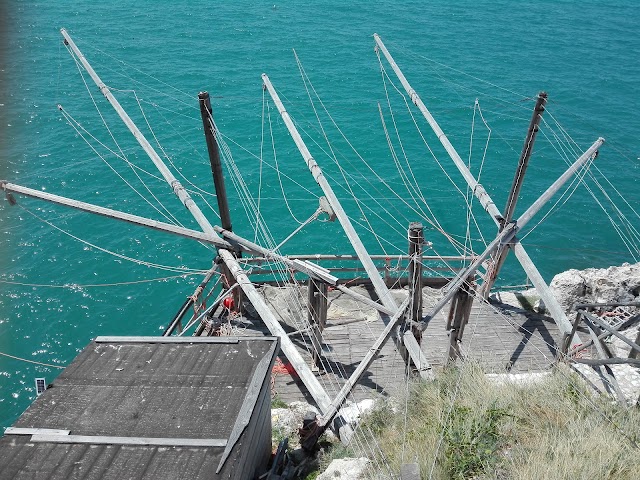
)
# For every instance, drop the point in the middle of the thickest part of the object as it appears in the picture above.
(251, 455)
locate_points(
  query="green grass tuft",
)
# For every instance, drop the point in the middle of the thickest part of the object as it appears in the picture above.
(461, 426)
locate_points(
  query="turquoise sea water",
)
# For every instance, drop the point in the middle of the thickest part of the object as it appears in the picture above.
(586, 55)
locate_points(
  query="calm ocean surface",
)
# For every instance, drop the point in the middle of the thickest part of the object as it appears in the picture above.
(586, 55)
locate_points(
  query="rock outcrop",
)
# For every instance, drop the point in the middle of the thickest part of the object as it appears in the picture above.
(593, 285)
(345, 469)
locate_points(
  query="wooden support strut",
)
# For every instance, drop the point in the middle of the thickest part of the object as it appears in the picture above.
(268, 317)
(416, 241)
(485, 200)
(118, 215)
(323, 422)
(498, 259)
(459, 313)
(317, 318)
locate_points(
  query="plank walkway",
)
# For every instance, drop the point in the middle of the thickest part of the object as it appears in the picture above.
(500, 337)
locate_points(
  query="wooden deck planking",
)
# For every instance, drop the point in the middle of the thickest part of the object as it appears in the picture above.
(504, 340)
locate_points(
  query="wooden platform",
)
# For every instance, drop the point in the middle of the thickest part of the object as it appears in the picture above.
(501, 337)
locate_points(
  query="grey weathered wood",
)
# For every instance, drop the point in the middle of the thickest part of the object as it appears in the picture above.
(209, 127)
(478, 190)
(176, 186)
(610, 329)
(458, 317)
(416, 240)
(159, 339)
(378, 284)
(419, 359)
(248, 404)
(364, 364)
(523, 161)
(314, 168)
(550, 301)
(118, 215)
(498, 259)
(557, 185)
(35, 431)
(139, 441)
(317, 317)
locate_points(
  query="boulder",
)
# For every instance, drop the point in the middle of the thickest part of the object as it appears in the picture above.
(345, 469)
(597, 285)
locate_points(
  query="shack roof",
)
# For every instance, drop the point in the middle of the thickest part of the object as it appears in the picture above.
(141, 407)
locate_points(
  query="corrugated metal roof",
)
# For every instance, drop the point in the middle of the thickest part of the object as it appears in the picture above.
(138, 389)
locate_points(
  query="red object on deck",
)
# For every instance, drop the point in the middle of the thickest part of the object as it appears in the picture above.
(228, 303)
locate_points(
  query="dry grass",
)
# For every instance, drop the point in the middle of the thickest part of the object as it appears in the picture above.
(463, 426)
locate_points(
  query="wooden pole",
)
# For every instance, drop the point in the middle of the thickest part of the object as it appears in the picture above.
(346, 389)
(485, 200)
(459, 313)
(416, 241)
(523, 162)
(405, 344)
(534, 125)
(317, 318)
(214, 159)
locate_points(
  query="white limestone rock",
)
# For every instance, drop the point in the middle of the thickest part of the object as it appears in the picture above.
(593, 285)
(345, 469)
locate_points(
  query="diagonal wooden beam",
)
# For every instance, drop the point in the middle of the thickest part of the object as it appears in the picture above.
(118, 215)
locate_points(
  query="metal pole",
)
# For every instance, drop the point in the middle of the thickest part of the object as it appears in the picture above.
(214, 159)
